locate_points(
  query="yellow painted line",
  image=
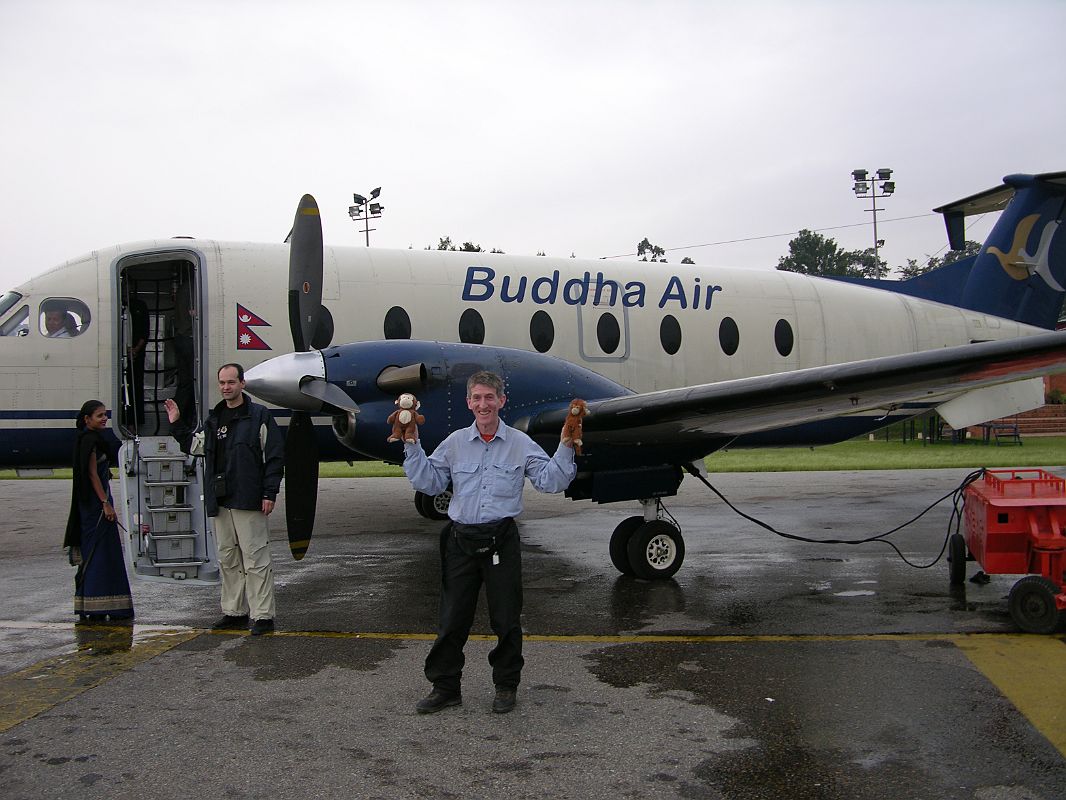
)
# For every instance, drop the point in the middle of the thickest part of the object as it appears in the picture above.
(650, 638)
(103, 653)
(1030, 671)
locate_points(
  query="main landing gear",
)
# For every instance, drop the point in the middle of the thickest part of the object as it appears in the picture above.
(643, 546)
(647, 546)
(433, 506)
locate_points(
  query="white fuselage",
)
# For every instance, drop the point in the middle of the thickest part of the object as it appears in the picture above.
(44, 380)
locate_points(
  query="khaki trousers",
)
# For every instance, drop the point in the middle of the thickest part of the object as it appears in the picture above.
(244, 560)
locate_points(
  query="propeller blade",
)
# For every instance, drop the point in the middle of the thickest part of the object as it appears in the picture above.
(305, 273)
(323, 329)
(328, 393)
(301, 482)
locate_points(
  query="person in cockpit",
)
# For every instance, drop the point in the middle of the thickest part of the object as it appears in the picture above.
(59, 324)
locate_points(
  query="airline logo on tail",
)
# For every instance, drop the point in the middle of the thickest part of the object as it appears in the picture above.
(1019, 264)
(247, 339)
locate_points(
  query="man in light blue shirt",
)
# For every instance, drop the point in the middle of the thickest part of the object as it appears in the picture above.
(487, 465)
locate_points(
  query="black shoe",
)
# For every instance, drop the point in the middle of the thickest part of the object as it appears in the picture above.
(261, 626)
(438, 701)
(229, 622)
(504, 700)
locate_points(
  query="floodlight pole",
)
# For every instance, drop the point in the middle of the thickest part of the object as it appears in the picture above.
(365, 210)
(867, 185)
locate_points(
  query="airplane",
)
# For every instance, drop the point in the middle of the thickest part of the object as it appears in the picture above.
(675, 361)
(828, 360)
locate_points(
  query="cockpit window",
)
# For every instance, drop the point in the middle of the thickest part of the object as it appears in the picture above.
(8, 301)
(18, 324)
(63, 318)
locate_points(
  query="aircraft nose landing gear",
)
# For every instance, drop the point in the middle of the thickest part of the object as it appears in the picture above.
(646, 546)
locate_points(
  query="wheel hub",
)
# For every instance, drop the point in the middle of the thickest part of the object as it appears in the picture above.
(1034, 605)
(660, 552)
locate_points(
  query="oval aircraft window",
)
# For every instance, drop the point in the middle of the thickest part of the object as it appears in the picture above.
(728, 336)
(397, 324)
(670, 334)
(471, 327)
(541, 332)
(608, 334)
(64, 317)
(783, 337)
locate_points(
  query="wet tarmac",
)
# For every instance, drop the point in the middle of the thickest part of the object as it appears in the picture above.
(766, 668)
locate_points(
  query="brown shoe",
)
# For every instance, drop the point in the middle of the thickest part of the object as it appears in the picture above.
(504, 701)
(438, 701)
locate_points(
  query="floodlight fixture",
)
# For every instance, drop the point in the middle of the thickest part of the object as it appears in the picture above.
(867, 186)
(364, 211)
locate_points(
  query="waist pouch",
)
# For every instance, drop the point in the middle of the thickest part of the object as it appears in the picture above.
(482, 540)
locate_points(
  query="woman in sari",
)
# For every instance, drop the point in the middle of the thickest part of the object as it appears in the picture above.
(101, 588)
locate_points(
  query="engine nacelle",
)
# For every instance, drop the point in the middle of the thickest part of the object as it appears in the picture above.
(344, 429)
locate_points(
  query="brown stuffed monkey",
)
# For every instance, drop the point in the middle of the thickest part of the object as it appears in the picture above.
(572, 427)
(405, 419)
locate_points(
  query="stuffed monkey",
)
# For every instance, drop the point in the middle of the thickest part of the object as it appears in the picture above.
(405, 419)
(572, 427)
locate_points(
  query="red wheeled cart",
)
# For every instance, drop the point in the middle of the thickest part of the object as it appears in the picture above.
(1016, 525)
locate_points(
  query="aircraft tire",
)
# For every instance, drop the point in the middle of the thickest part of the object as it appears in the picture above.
(957, 559)
(619, 548)
(420, 506)
(1032, 604)
(437, 505)
(656, 550)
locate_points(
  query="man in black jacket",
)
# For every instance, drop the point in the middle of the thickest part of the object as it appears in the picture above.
(243, 452)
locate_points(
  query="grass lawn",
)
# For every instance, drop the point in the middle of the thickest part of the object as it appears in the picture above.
(1037, 451)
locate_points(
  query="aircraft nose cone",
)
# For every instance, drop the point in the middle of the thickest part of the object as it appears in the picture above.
(278, 380)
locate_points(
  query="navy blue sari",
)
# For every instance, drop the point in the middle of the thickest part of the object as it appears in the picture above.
(101, 588)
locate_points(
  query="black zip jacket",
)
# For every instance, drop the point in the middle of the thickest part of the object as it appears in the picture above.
(255, 460)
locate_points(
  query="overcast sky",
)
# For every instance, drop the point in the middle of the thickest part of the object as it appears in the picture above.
(569, 127)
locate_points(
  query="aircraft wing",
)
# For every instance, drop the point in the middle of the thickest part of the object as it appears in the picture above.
(724, 410)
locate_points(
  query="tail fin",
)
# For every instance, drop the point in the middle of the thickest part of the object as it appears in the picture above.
(1020, 272)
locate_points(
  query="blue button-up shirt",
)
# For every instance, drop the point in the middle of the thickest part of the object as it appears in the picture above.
(487, 477)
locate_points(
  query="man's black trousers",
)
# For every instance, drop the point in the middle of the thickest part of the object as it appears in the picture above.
(461, 580)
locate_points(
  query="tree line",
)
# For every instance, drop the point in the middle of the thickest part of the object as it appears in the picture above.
(809, 253)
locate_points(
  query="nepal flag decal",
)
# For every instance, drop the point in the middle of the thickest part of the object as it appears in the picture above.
(247, 339)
